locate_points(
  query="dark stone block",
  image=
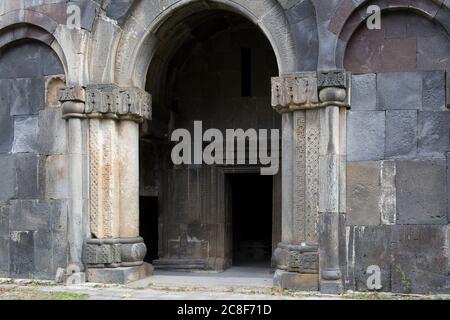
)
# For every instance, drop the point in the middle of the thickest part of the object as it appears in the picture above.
(59, 216)
(8, 177)
(420, 259)
(4, 240)
(421, 192)
(59, 249)
(21, 246)
(25, 134)
(29, 182)
(448, 185)
(435, 58)
(52, 132)
(89, 11)
(364, 92)
(434, 91)
(371, 247)
(366, 135)
(30, 215)
(118, 10)
(391, 95)
(5, 89)
(6, 133)
(307, 48)
(299, 11)
(29, 96)
(401, 133)
(43, 254)
(434, 130)
(52, 65)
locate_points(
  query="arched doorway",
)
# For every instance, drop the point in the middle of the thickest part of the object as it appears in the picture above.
(212, 66)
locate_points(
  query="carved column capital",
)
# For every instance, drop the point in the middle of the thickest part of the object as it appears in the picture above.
(112, 101)
(295, 92)
(72, 100)
(333, 88)
(309, 90)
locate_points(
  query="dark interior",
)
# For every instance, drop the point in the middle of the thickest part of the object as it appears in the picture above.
(252, 219)
(148, 226)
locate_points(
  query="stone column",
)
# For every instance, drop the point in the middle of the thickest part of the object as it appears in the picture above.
(115, 252)
(332, 162)
(296, 258)
(72, 100)
(313, 173)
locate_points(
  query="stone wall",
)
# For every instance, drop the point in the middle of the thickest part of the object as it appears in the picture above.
(33, 169)
(398, 147)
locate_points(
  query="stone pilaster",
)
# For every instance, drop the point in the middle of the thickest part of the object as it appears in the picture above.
(115, 252)
(313, 171)
(333, 96)
(295, 97)
(72, 102)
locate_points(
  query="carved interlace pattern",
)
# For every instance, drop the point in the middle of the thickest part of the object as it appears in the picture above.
(107, 174)
(299, 175)
(312, 178)
(94, 169)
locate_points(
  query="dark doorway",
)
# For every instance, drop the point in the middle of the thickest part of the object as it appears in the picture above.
(251, 218)
(148, 226)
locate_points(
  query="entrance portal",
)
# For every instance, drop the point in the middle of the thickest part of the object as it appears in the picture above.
(212, 66)
(251, 219)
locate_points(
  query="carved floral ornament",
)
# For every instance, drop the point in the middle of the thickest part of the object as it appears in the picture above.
(105, 101)
(308, 90)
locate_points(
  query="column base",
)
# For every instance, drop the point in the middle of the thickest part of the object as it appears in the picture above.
(296, 281)
(331, 287)
(122, 275)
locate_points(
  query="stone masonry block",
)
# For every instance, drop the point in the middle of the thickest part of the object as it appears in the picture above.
(363, 193)
(434, 91)
(5, 90)
(52, 132)
(25, 135)
(401, 133)
(28, 96)
(448, 186)
(8, 177)
(372, 247)
(30, 215)
(56, 177)
(364, 92)
(391, 95)
(6, 133)
(419, 259)
(421, 192)
(365, 135)
(4, 240)
(434, 132)
(21, 246)
(29, 177)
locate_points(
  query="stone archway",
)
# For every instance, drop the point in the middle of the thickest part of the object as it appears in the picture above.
(213, 66)
(135, 53)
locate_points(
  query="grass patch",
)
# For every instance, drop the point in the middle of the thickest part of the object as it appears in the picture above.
(15, 293)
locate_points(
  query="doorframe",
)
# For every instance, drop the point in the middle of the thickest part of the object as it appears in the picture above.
(224, 205)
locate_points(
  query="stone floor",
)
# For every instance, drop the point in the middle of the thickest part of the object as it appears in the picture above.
(238, 283)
